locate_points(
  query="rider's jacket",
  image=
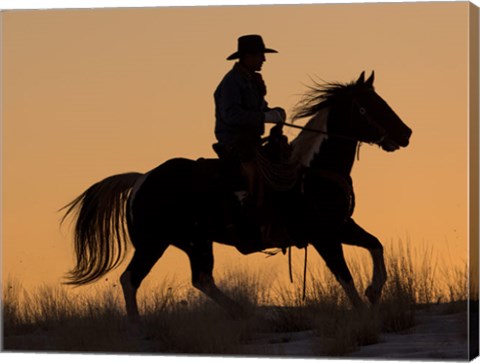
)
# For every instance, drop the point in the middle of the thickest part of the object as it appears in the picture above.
(240, 106)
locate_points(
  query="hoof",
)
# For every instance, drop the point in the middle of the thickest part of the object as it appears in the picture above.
(359, 305)
(135, 327)
(237, 311)
(372, 294)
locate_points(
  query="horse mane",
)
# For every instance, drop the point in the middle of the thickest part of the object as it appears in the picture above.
(316, 104)
(320, 96)
(307, 143)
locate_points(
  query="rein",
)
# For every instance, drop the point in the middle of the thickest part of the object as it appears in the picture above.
(309, 129)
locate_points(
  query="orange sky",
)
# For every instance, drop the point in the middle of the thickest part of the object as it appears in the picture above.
(91, 93)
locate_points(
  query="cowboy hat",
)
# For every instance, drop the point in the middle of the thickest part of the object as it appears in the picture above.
(250, 44)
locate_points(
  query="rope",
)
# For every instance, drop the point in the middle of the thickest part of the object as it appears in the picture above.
(304, 270)
(281, 177)
(305, 274)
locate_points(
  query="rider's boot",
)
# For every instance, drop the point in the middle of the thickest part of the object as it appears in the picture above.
(274, 235)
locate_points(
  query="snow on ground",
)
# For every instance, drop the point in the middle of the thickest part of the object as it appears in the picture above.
(436, 336)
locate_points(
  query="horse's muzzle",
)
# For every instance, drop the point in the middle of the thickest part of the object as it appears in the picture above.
(406, 139)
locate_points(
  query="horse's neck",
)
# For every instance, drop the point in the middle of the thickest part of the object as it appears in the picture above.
(336, 155)
(318, 150)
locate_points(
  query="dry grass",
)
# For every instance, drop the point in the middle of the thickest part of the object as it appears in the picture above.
(175, 320)
(414, 282)
(180, 320)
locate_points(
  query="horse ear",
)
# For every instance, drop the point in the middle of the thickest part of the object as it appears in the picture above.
(370, 80)
(361, 79)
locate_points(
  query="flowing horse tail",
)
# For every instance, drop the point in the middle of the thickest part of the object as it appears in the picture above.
(100, 235)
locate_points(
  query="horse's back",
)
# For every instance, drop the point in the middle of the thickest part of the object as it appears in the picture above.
(172, 192)
(177, 168)
(186, 175)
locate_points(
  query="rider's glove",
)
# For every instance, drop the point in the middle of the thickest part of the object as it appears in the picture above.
(275, 116)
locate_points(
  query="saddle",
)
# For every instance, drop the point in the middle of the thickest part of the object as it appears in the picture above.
(243, 222)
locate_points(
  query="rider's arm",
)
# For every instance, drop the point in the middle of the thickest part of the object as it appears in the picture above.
(235, 104)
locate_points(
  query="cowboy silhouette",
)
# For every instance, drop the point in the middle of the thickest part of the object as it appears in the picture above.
(241, 112)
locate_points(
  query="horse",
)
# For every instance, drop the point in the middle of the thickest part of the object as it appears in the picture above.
(182, 202)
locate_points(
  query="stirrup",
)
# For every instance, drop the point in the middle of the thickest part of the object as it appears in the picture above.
(232, 233)
(270, 239)
(242, 196)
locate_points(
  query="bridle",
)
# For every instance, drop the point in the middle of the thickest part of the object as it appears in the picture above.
(363, 112)
(371, 121)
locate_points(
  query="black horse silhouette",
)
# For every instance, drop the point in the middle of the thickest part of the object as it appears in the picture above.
(182, 202)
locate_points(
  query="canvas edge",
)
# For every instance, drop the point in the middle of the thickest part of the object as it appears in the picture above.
(474, 130)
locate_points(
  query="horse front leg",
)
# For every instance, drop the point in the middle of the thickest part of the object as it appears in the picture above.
(332, 253)
(355, 235)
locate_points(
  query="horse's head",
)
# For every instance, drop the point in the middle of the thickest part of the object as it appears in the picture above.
(354, 111)
(372, 120)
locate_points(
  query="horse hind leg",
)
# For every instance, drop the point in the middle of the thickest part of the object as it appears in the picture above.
(201, 263)
(142, 262)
